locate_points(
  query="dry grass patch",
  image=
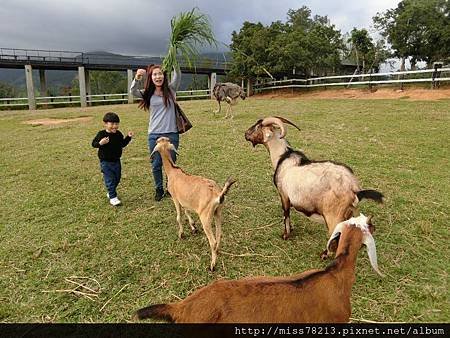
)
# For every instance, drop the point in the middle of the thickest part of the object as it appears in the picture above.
(51, 121)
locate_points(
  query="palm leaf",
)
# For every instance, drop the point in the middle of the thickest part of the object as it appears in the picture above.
(190, 30)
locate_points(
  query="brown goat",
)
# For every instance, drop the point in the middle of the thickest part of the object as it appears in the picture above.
(312, 296)
(202, 195)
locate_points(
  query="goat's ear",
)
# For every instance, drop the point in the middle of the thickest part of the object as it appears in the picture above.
(334, 243)
(156, 149)
(172, 147)
(267, 134)
(371, 227)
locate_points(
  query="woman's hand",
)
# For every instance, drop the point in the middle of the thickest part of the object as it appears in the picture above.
(140, 73)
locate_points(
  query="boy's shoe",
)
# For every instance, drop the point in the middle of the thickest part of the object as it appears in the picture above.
(114, 201)
(159, 194)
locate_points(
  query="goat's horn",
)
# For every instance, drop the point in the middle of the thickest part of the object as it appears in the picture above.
(287, 121)
(372, 252)
(277, 121)
(154, 151)
(337, 230)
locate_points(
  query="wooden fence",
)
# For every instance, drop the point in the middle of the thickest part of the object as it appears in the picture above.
(397, 78)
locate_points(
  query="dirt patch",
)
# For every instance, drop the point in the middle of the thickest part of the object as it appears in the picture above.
(380, 93)
(51, 122)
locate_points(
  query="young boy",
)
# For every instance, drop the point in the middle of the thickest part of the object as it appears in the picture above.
(110, 142)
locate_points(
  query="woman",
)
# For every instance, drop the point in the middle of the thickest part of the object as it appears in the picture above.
(158, 97)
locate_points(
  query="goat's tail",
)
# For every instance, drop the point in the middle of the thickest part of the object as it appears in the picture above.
(225, 189)
(370, 194)
(158, 311)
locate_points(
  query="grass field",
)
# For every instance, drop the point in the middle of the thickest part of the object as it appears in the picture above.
(56, 224)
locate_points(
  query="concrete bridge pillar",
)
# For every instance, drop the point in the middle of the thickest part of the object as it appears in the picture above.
(30, 87)
(43, 84)
(129, 80)
(88, 87)
(82, 82)
(212, 79)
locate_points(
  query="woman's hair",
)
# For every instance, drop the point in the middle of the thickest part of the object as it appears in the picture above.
(150, 87)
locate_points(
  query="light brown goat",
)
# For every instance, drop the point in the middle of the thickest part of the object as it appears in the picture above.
(325, 191)
(313, 296)
(202, 195)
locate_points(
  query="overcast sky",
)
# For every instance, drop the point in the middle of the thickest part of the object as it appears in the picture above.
(141, 27)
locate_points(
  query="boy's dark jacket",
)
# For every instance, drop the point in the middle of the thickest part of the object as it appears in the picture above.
(111, 151)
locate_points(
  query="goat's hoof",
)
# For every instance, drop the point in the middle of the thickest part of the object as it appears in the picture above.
(181, 236)
(194, 231)
(285, 236)
(212, 268)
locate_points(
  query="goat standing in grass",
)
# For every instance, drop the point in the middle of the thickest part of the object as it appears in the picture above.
(228, 92)
(310, 297)
(325, 191)
(202, 195)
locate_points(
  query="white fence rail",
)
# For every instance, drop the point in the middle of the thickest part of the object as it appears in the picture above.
(17, 102)
(417, 76)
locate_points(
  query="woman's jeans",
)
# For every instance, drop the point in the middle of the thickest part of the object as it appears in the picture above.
(156, 158)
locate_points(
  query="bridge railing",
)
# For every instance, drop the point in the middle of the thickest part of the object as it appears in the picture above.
(82, 58)
(17, 54)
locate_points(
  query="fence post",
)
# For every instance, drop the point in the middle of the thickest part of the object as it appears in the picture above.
(30, 87)
(213, 77)
(249, 87)
(436, 75)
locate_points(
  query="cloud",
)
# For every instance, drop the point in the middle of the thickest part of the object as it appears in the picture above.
(142, 27)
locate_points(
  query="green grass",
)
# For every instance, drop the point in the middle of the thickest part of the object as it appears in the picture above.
(56, 221)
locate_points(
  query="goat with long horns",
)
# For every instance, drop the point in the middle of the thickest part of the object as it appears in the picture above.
(325, 191)
(312, 296)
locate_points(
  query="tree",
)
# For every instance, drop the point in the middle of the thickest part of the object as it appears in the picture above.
(325, 46)
(303, 45)
(103, 82)
(198, 82)
(416, 29)
(6, 90)
(361, 46)
(248, 49)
